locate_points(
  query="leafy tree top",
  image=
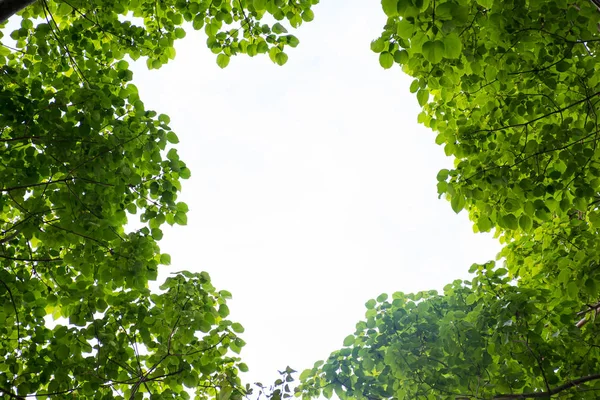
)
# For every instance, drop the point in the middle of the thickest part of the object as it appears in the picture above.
(511, 89)
(81, 155)
(512, 92)
(482, 339)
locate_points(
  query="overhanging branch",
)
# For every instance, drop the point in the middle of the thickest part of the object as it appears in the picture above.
(10, 7)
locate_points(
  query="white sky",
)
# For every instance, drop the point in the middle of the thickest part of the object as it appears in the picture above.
(313, 188)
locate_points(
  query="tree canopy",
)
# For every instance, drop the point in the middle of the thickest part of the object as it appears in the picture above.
(80, 157)
(512, 92)
(482, 339)
(509, 87)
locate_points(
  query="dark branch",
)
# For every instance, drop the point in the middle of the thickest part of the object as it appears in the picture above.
(9, 189)
(31, 259)
(8, 8)
(17, 317)
(538, 118)
(544, 395)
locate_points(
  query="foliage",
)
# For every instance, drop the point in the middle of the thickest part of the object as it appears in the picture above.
(280, 389)
(483, 339)
(511, 89)
(101, 32)
(80, 155)
(514, 98)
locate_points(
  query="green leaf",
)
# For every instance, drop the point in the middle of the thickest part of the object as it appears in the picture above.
(305, 374)
(349, 340)
(179, 33)
(484, 224)
(259, 5)
(164, 118)
(452, 46)
(414, 86)
(223, 310)
(573, 290)
(165, 259)
(378, 45)
(62, 352)
(308, 15)
(486, 3)
(458, 203)
(525, 223)
(185, 173)
(390, 7)
(386, 60)
(281, 58)
(563, 66)
(172, 137)
(510, 221)
(121, 65)
(444, 11)
(222, 60)
(237, 328)
(64, 9)
(198, 22)
(157, 234)
(442, 175)
(172, 155)
(262, 47)
(278, 28)
(405, 29)
(292, 41)
(382, 297)
(401, 57)
(591, 287)
(580, 203)
(180, 218)
(190, 381)
(433, 51)
(423, 97)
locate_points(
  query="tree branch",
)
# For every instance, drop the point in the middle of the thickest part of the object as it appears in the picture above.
(540, 395)
(7, 392)
(9, 189)
(8, 8)
(536, 119)
(18, 323)
(31, 259)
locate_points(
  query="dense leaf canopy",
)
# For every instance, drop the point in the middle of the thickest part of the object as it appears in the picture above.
(509, 87)
(512, 91)
(79, 157)
(484, 339)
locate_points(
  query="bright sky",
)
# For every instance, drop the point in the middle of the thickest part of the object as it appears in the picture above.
(313, 188)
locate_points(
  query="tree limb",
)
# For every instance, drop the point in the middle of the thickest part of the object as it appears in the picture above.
(544, 395)
(10, 7)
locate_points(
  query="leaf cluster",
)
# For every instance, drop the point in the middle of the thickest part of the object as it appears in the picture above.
(481, 339)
